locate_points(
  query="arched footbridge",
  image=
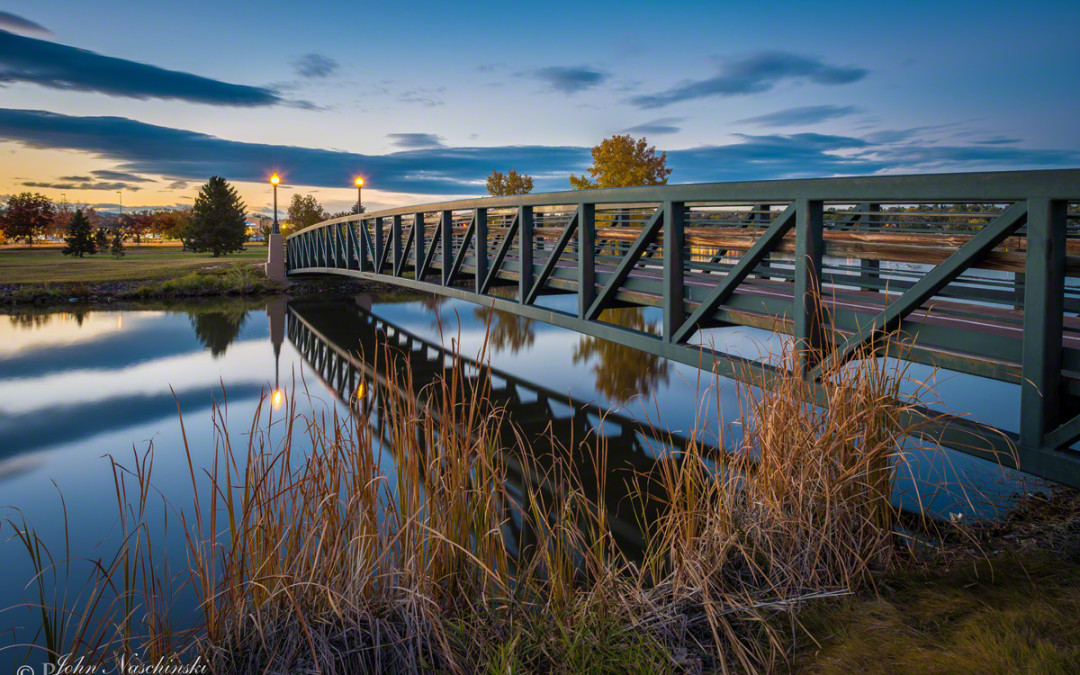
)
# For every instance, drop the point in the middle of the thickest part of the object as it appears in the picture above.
(980, 272)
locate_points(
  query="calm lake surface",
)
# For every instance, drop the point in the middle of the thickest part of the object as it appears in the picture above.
(76, 386)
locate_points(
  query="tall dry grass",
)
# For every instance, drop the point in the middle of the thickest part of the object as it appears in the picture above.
(310, 554)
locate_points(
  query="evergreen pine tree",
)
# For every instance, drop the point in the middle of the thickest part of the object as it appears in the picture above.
(217, 220)
(80, 237)
(101, 240)
(117, 247)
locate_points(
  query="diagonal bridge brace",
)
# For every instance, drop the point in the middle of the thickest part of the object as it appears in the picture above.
(399, 266)
(995, 232)
(429, 255)
(460, 257)
(500, 256)
(626, 265)
(761, 248)
(553, 259)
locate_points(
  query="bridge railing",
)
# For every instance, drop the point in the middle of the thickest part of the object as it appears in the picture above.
(980, 270)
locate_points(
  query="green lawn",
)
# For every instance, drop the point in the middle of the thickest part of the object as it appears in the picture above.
(39, 265)
(1013, 613)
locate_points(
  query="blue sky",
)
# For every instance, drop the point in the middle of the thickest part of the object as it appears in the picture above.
(425, 98)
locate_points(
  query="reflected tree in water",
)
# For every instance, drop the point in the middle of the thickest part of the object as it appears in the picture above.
(218, 330)
(30, 321)
(433, 302)
(623, 372)
(506, 331)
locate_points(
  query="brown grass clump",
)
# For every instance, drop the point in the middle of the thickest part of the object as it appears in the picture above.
(309, 554)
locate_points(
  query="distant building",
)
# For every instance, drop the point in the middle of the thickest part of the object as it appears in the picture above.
(257, 226)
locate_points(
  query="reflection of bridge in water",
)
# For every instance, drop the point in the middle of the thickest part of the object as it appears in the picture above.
(344, 348)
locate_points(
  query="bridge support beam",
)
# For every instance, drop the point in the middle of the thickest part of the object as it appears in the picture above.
(674, 243)
(481, 248)
(809, 246)
(586, 257)
(419, 232)
(1044, 297)
(275, 257)
(446, 227)
(525, 252)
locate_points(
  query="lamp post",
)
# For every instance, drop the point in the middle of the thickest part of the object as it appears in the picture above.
(359, 190)
(274, 180)
(275, 258)
(121, 202)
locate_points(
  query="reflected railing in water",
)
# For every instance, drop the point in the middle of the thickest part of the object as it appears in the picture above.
(344, 350)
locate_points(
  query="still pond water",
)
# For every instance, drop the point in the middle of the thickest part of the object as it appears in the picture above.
(76, 386)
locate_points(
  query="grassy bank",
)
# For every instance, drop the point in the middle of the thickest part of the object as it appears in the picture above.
(42, 276)
(47, 265)
(214, 282)
(998, 598)
(315, 557)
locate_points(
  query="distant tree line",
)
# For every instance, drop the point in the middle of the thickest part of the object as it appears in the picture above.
(215, 224)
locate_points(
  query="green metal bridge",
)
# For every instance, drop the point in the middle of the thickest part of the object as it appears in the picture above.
(979, 272)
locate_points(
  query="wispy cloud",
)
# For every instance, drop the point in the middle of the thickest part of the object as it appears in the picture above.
(570, 79)
(426, 97)
(109, 174)
(416, 141)
(17, 24)
(144, 149)
(48, 64)
(70, 185)
(314, 65)
(802, 116)
(753, 75)
(663, 125)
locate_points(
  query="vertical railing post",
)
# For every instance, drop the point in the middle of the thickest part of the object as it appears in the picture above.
(1044, 298)
(525, 251)
(340, 259)
(447, 243)
(809, 245)
(1019, 283)
(378, 244)
(419, 229)
(586, 233)
(354, 246)
(480, 246)
(343, 228)
(364, 252)
(870, 270)
(396, 263)
(674, 243)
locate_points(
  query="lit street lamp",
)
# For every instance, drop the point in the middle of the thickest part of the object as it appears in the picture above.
(359, 189)
(274, 180)
(275, 255)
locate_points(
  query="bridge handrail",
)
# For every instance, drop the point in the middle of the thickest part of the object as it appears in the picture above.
(990, 186)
